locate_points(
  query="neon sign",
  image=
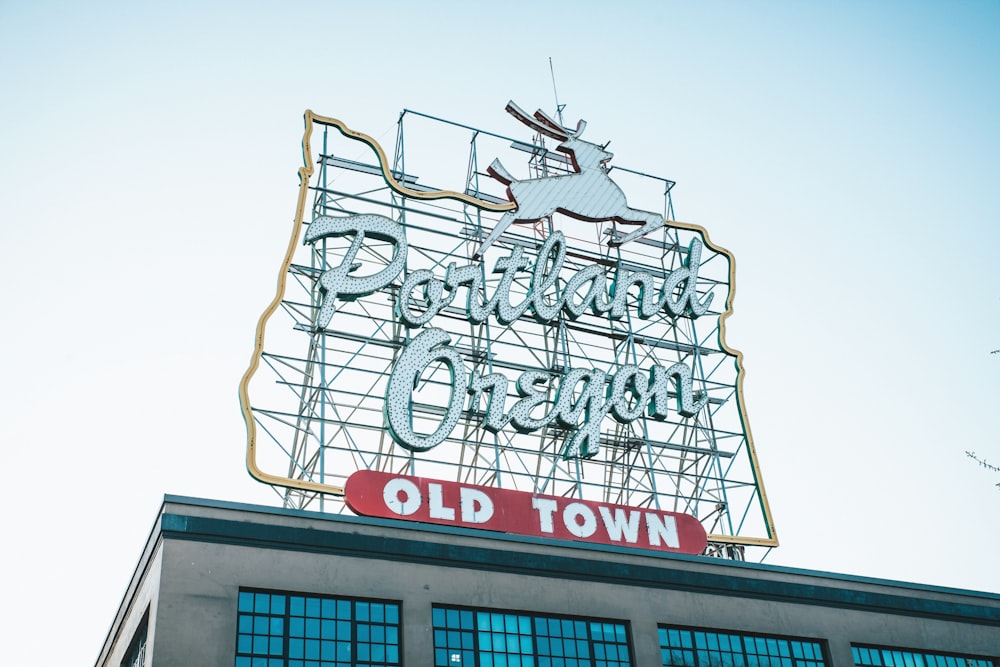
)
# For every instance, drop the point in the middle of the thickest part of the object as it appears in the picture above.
(476, 334)
(626, 394)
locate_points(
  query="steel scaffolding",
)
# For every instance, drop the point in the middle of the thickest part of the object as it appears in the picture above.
(319, 404)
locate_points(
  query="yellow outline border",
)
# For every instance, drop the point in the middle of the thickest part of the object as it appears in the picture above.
(307, 171)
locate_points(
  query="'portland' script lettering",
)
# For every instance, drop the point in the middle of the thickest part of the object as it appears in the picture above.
(583, 397)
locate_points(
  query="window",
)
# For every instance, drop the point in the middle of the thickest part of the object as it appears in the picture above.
(891, 657)
(693, 647)
(486, 638)
(297, 630)
(136, 654)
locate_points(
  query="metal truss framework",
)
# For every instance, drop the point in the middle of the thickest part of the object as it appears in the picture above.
(320, 406)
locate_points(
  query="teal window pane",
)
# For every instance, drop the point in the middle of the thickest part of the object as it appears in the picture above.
(524, 640)
(328, 608)
(510, 623)
(312, 607)
(727, 649)
(343, 650)
(903, 658)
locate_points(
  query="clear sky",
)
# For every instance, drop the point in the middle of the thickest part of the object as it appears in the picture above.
(846, 153)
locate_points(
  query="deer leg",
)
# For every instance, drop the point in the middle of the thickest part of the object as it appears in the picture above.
(653, 222)
(499, 229)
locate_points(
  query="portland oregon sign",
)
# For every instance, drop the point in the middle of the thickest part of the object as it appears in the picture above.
(504, 333)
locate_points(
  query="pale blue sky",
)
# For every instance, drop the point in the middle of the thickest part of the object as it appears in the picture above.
(846, 154)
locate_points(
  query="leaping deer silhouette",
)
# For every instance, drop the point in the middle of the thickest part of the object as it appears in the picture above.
(589, 194)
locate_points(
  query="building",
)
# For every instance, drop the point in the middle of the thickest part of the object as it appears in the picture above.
(229, 584)
(546, 359)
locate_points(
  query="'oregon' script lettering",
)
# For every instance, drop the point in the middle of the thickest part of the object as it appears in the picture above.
(582, 397)
(632, 393)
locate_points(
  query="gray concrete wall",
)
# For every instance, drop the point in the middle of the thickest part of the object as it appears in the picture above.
(202, 575)
(142, 594)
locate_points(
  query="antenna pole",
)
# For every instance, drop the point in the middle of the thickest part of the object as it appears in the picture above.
(555, 93)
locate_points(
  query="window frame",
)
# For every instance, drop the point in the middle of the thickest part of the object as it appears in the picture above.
(314, 621)
(533, 618)
(982, 660)
(823, 660)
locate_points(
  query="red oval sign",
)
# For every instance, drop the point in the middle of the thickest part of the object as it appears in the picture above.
(392, 496)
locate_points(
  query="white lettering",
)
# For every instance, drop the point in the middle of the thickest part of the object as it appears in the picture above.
(410, 502)
(575, 511)
(428, 347)
(583, 397)
(338, 282)
(545, 509)
(667, 529)
(437, 508)
(477, 507)
(677, 297)
(618, 524)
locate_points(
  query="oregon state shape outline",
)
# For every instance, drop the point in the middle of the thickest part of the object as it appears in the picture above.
(305, 173)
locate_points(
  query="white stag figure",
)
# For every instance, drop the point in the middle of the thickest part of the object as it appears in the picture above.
(589, 194)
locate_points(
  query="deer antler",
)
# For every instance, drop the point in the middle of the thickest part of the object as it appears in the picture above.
(547, 120)
(550, 129)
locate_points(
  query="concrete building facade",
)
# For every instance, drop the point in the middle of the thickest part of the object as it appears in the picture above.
(239, 585)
